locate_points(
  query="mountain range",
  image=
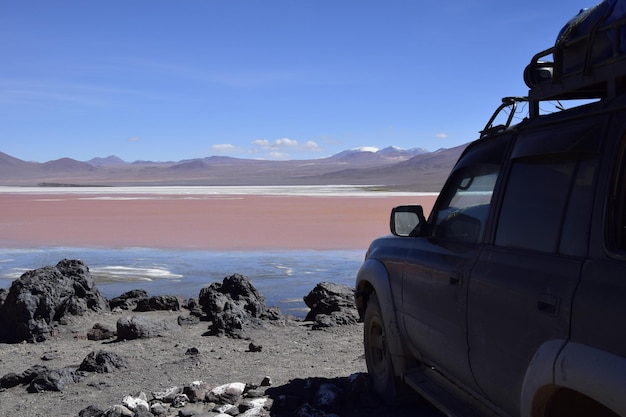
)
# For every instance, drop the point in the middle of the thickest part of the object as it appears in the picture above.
(392, 168)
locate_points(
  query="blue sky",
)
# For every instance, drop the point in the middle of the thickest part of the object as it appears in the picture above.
(273, 79)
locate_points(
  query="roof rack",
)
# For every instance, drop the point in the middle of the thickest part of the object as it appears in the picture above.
(507, 102)
(588, 59)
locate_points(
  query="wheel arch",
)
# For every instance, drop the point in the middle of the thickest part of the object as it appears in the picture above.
(563, 373)
(373, 278)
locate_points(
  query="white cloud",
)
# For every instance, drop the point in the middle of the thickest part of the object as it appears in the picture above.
(441, 135)
(285, 142)
(134, 139)
(282, 148)
(223, 147)
(311, 146)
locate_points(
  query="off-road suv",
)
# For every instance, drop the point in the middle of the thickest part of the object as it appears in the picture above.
(510, 299)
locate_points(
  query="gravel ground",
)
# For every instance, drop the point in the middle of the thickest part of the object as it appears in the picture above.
(289, 350)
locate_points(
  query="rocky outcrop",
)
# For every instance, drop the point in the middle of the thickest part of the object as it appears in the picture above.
(39, 378)
(100, 331)
(138, 300)
(128, 300)
(102, 362)
(3, 295)
(12, 379)
(143, 327)
(53, 380)
(41, 298)
(232, 304)
(159, 302)
(331, 305)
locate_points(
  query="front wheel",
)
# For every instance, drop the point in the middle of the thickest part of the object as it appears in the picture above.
(378, 357)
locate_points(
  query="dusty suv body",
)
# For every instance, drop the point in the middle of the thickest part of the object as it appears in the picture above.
(510, 299)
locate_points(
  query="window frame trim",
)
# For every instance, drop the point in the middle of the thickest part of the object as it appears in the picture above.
(616, 184)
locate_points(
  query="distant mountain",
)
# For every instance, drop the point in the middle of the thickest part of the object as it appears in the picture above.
(67, 165)
(110, 160)
(375, 154)
(194, 164)
(423, 172)
(9, 162)
(392, 167)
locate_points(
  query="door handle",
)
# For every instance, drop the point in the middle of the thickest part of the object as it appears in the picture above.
(455, 280)
(548, 304)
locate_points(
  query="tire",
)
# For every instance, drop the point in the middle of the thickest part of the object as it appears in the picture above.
(378, 358)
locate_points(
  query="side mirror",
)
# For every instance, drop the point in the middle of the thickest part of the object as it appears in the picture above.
(407, 220)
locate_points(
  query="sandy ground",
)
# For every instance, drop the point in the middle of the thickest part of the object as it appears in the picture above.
(234, 222)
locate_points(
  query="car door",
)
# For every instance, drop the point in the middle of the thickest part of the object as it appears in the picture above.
(437, 268)
(522, 286)
(600, 294)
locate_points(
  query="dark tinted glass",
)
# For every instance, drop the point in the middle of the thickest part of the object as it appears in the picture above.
(575, 236)
(547, 204)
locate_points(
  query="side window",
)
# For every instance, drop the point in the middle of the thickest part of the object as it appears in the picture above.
(547, 204)
(463, 214)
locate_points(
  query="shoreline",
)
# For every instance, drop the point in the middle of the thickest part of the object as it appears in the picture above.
(284, 277)
(372, 191)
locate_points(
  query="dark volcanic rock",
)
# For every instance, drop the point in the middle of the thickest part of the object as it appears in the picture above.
(3, 295)
(53, 380)
(141, 327)
(159, 302)
(194, 307)
(331, 304)
(39, 378)
(189, 320)
(12, 379)
(128, 300)
(102, 362)
(235, 289)
(42, 297)
(231, 304)
(100, 332)
(91, 411)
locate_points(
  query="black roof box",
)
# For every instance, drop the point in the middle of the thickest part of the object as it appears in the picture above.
(587, 61)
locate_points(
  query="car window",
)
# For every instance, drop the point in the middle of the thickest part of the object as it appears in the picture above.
(547, 204)
(464, 215)
(462, 209)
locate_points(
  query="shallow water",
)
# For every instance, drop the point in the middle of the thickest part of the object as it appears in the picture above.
(283, 277)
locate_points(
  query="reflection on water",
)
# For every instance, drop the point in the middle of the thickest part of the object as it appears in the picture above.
(283, 277)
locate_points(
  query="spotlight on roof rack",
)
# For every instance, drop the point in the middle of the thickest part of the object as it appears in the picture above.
(537, 73)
